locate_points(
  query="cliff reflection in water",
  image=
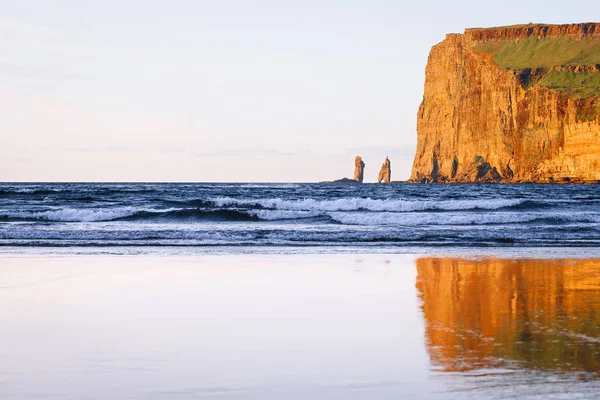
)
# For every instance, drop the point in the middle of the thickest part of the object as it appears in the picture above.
(511, 313)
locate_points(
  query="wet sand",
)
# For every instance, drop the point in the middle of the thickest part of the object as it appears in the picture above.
(298, 326)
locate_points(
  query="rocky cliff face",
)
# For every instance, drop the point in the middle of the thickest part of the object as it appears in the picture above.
(359, 169)
(512, 104)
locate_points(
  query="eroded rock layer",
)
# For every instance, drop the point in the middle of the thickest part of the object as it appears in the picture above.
(512, 104)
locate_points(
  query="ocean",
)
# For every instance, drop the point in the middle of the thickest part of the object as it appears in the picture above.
(127, 217)
(299, 291)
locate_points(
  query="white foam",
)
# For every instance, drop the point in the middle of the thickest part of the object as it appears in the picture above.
(273, 215)
(80, 214)
(31, 190)
(415, 219)
(268, 185)
(368, 204)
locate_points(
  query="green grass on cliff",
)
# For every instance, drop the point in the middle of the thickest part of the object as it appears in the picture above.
(579, 85)
(542, 52)
(531, 24)
(546, 53)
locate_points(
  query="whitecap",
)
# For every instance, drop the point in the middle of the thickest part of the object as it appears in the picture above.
(80, 214)
(415, 219)
(368, 204)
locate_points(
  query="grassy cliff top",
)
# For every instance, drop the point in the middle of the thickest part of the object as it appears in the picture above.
(578, 31)
(535, 52)
(549, 52)
(531, 24)
(579, 85)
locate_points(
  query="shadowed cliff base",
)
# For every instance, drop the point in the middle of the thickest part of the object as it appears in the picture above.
(512, 104)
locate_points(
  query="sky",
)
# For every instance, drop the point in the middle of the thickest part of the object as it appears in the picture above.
(227, 90)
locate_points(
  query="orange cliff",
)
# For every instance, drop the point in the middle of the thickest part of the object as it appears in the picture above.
(512, 104)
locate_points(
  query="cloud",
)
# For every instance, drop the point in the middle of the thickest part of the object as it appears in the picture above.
(35, 73)
(16, 25)
(407, 151)
(21, 160)
(180, 150)
(39, 52)
(107, 149)
(125, 149)
(252, 152)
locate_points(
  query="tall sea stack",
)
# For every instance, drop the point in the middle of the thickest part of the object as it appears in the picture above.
(359, 169)
(512, 104)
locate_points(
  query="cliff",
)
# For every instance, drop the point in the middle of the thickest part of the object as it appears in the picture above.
(512, 104)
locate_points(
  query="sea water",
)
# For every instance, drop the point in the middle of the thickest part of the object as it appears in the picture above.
(319, 216)
(297, 291)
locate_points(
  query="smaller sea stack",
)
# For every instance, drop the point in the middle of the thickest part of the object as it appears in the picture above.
(385, 174)
(359, 169)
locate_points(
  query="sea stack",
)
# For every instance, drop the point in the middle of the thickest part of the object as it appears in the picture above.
(359, 169)
(385, 174)
(512, 104)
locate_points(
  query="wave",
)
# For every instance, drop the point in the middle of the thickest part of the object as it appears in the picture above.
(274, 215)
(269, 185)
(360, 218)
(67, 215)
(195, 214)
(89, 189)
(193, 203)
(189, 215)
(473, 219)
(380, 205)
(140, 215)
(31, 191)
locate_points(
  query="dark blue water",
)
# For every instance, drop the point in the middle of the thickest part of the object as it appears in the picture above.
(286, 215)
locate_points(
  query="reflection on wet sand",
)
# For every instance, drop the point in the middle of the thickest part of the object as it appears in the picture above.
(511, 313)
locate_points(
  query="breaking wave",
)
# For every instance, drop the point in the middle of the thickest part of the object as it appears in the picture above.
(173, 214)
(67, 215)
(367, 204)
(191, 214)
(492, 218)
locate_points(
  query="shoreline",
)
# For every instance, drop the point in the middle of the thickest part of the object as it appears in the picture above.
(425, 182)
(530, 252)
(256, 326)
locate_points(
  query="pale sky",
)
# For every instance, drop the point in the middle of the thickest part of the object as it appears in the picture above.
(224, 90)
